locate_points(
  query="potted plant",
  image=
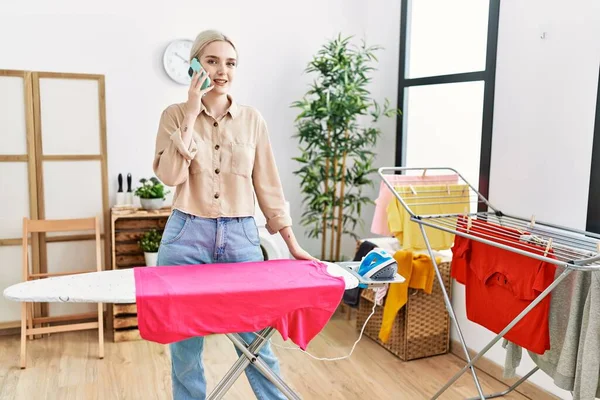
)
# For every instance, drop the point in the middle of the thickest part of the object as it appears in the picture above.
(337, 133)
(149, 243)
(152, 193)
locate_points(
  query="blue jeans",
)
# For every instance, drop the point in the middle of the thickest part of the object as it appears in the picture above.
(188, 239)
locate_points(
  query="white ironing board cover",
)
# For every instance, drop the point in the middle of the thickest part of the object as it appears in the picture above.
(114, 286)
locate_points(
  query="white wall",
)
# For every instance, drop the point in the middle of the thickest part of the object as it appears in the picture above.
(125, 41)
(543, 125)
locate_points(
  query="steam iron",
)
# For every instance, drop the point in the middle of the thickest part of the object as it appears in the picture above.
(377, 265)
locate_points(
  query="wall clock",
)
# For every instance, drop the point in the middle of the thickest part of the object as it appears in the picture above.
(176, 60)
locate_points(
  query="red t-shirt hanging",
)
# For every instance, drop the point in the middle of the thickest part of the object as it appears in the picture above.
(500, 234)
(501, 283)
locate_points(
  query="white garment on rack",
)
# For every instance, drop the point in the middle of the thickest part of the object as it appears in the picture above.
(573, 360)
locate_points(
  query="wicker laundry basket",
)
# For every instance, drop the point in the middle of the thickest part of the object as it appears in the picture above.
(422, 326)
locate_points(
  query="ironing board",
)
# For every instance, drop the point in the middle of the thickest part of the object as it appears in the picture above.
(118, 287)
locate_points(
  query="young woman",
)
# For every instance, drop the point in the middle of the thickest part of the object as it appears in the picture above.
(218, 155)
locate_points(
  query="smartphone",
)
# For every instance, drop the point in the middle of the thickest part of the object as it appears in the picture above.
(195, 66)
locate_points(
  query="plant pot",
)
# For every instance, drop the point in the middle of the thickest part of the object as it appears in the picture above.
(151, 204)
(150, 259)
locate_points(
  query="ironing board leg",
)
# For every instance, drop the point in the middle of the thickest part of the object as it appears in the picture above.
(277, 381)
(240, 365)
(250, 356)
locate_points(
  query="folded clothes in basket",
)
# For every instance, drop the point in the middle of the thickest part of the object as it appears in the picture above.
(419, 273)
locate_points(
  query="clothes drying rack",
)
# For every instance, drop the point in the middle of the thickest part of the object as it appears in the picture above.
(571, 249)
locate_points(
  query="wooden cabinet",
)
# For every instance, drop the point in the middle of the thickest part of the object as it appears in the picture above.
(127, 227)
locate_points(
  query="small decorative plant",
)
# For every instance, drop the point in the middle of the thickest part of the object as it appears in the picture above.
(149, 243)
(152, 193)
(151, 189)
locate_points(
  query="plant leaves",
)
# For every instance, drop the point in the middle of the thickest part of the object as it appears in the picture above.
(336, 137)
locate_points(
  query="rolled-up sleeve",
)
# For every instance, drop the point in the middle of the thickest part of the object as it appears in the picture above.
(267, 183)
(172, 158)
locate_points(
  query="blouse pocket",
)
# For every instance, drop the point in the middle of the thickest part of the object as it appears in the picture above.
(242, 158)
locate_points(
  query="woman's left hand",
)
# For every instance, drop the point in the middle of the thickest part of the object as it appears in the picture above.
(300, 254)
(295, 250)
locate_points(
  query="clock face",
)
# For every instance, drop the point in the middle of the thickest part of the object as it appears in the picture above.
(176, 60)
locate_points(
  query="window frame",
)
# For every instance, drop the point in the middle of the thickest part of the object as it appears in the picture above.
(593, 211)
(488, 76)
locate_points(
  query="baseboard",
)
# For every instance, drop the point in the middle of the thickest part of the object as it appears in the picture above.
(527, 388)
(10, 328)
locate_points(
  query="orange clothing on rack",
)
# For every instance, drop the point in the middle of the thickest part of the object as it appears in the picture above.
(426, 200)
(419, 273)
(500, 284)
(504, 235)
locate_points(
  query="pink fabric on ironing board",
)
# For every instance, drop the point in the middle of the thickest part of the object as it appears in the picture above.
(379, 225)
(296, 297)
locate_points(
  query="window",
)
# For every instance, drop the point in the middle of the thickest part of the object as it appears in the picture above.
(446, 86)
(446, 37)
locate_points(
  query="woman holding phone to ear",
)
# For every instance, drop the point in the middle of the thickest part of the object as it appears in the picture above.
(218, 155)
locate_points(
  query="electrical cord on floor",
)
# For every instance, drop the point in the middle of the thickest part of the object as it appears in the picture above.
(324, 358)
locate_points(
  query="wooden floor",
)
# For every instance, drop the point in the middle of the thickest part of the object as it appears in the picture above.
(65, 366)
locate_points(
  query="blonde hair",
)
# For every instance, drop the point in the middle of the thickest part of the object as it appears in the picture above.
(204, 38)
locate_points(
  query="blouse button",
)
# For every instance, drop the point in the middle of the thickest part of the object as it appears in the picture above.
(217, 147)
(217, 171)
(215, 124)
(216, 195)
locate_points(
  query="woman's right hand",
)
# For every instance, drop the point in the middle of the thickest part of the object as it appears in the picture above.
(194, 101)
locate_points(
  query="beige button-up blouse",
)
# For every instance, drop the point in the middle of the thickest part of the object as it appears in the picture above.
(228, 163)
